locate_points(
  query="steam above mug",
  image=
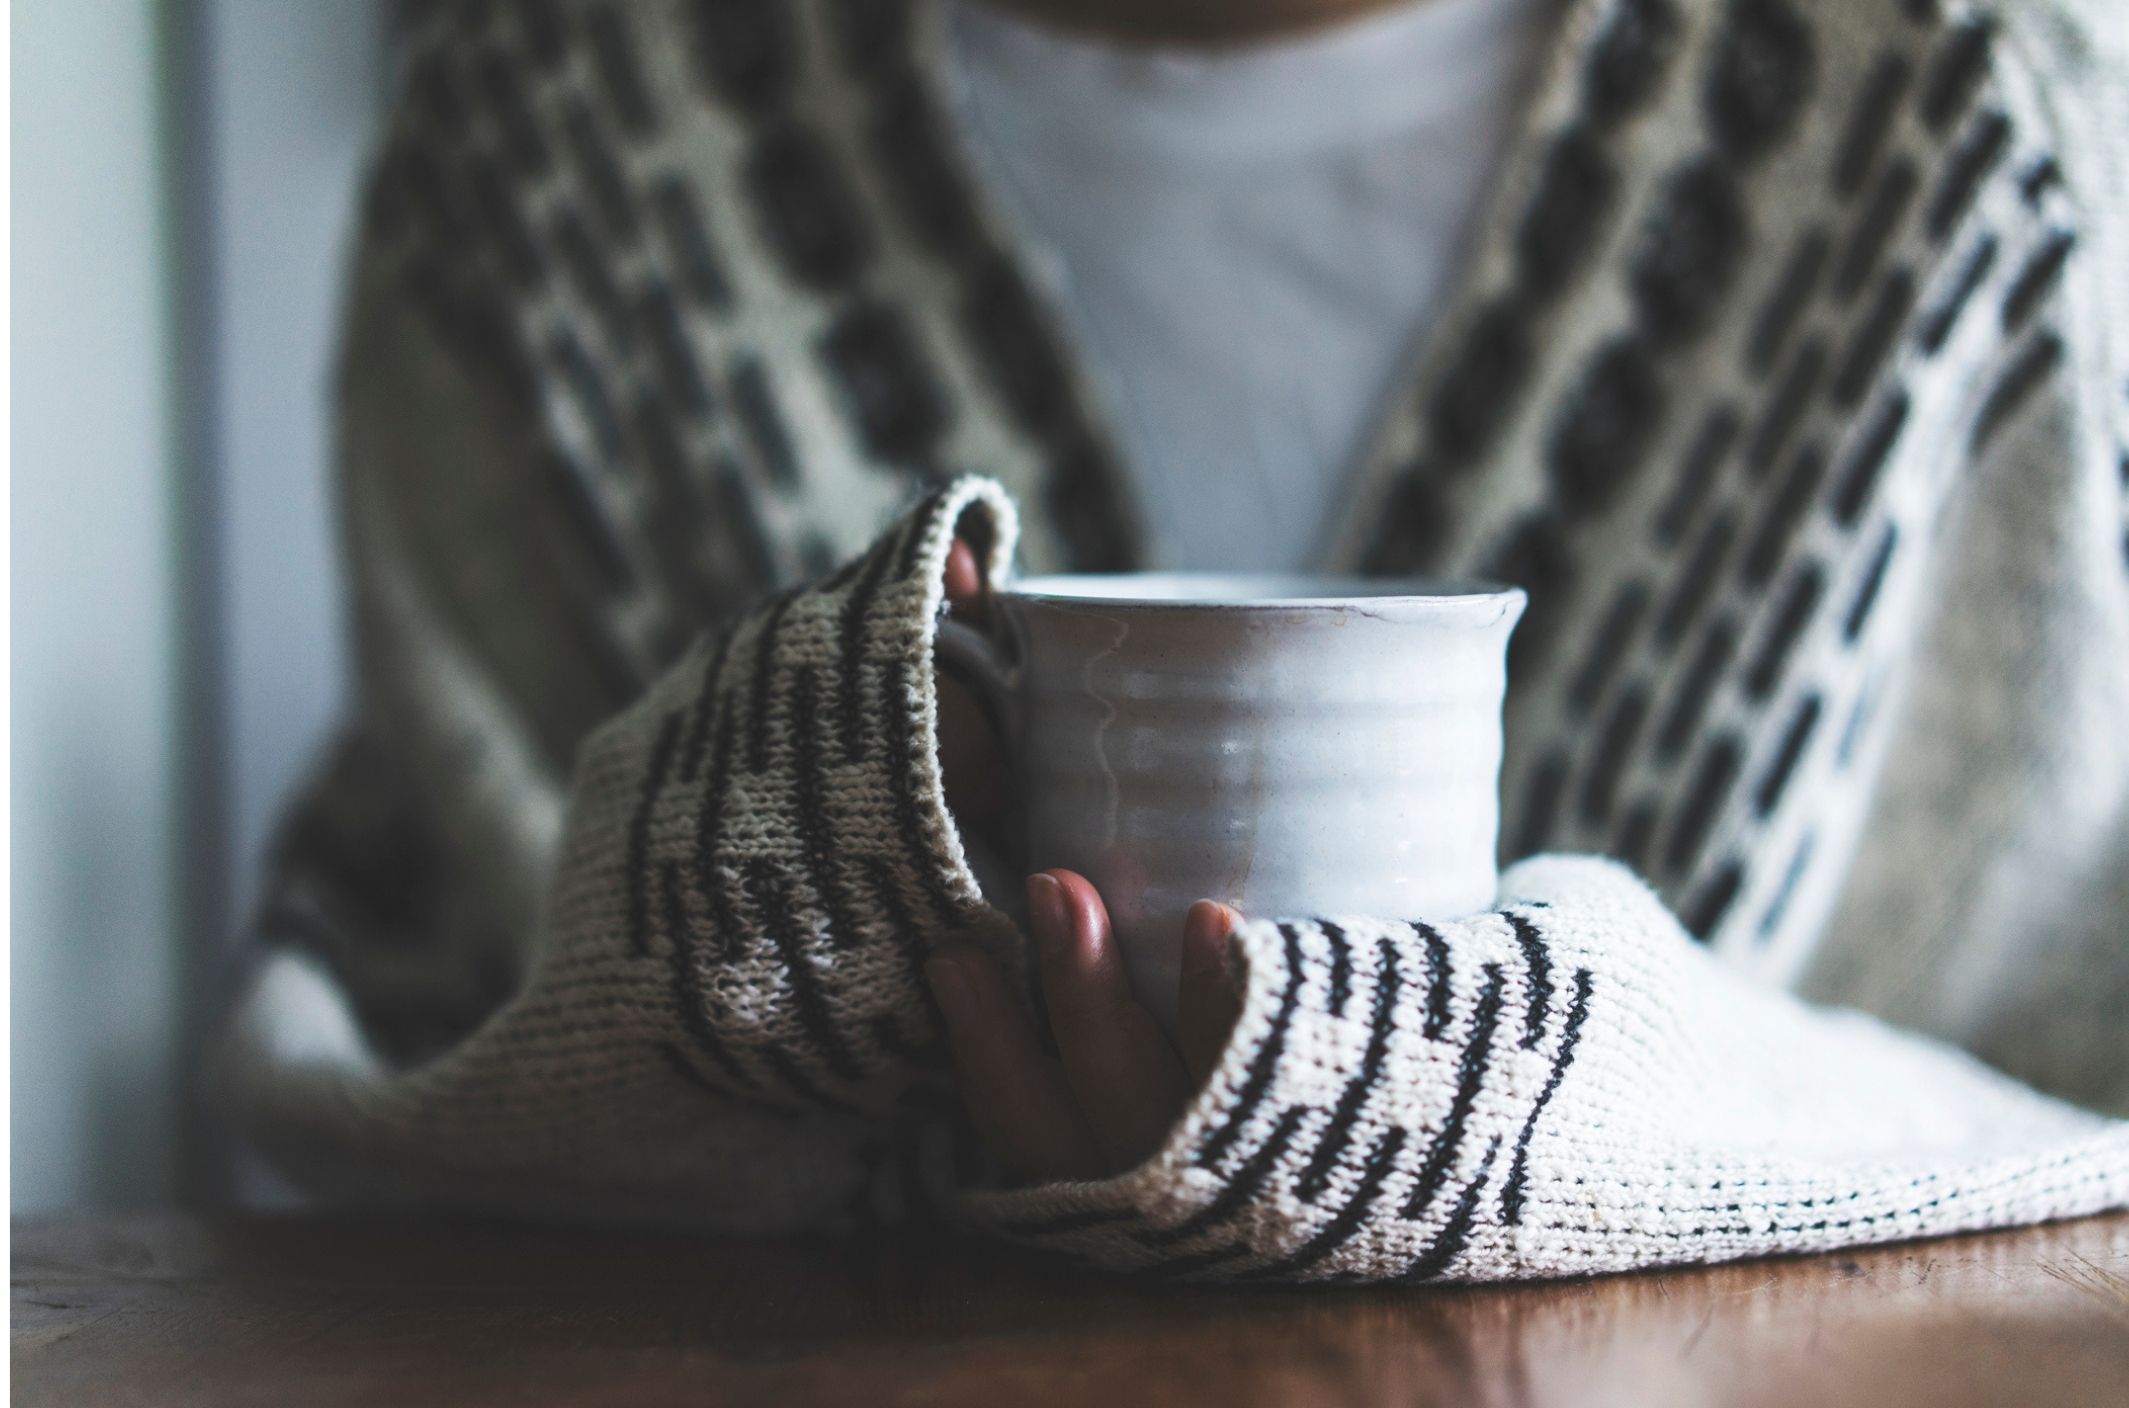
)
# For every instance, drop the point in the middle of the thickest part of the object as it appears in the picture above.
(1293, 746)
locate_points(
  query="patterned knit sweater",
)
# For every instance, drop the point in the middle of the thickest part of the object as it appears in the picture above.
(1787, 373)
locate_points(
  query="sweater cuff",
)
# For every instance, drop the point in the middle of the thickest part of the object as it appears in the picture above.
(1566, 1084)
(1278, 1169)
(774, 816)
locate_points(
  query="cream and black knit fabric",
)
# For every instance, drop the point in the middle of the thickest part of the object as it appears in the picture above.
(1568, 1084)
(1788, 375)
(756, 860)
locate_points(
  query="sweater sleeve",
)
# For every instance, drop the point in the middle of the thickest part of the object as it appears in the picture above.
(724, 1008)
(1564, 1085)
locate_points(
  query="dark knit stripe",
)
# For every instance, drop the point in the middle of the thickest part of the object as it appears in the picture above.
(1867, 347)
(1785, 407)
(1456, 1231)
(904, 933)
(1869, 122)
(1471, 1073)
(1608, 648)
(809, 1001)
(680, 376)
(1512, 1188)
(1857, 480)
(1540, 805)
(816, 830)
(1771, 917)
(906, 757)
(621, 79)
(1439, 976)
(1630, 842)
(1382, 1159)
(639, 835)
(1938, 320)
(699, 268)
(1341, 966)
(690, 998)
(1539, 962)
(1614, 751)
(1689, 592)
(755, 400)
(695, 748)
(1264, 1063)
(1783, 515)
(764, 675)
(1704, 910)
(1793, 610)
(1787, 301)
(593, 536)
(1705, 790)
(709, 832)
(911, 555)
(1882, 213)
(1955, 72)
(2036, 358)
(1697, 473)
(1248, 1181)
(2037, 178)
(1977, 153)
(1866, 592)
(1759, 70)
(1059, 1224)
(1775, 780)
(1389, 986)
(850, 682)
(2032, 282)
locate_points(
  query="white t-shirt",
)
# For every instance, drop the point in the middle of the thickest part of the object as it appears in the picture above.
(1245, 243)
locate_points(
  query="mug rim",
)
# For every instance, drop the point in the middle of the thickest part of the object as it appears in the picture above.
(1256, 591)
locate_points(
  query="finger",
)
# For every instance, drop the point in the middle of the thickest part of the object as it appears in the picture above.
(1206, 1002)
(964, 579)
(1016, 1096)
(1125, 1076)
(970, 762)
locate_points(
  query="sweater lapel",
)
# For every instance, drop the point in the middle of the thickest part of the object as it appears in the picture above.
(1605, 61)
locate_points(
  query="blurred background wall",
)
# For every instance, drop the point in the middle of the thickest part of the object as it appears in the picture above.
(184, 179)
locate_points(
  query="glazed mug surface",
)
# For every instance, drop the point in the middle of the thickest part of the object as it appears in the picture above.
(1291, 745)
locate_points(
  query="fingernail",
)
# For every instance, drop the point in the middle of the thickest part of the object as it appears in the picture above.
(1046, 912)
(1208, 922)
(950, 986)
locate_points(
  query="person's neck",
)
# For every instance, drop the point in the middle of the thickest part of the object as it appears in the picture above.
(1208, 22)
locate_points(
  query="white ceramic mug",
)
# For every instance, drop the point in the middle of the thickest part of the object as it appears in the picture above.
(1290, 745)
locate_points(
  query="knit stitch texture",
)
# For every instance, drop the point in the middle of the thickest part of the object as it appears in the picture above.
(1787, 376)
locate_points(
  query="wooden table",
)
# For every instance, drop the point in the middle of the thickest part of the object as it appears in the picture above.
(170, 1309)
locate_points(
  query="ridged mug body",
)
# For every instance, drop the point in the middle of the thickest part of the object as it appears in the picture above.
(1290, 746)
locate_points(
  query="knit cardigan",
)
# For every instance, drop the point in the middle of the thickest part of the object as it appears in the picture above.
(1786, 372)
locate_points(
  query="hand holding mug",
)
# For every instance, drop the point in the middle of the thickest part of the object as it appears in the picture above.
(1117, 1084)
(1292, 745)
(1115, 1088)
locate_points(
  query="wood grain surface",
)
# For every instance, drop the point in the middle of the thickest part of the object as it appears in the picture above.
(170, 1309)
